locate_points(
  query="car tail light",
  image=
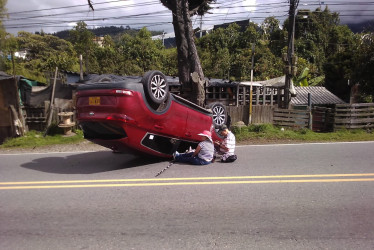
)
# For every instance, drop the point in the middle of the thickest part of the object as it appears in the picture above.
(123, 92)
(121, 118)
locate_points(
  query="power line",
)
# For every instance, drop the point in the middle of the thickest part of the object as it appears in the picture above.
(70, 17)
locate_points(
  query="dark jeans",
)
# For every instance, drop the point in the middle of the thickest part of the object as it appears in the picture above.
(188, 158)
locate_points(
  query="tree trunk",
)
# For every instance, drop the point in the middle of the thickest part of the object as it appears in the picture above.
(188, 59)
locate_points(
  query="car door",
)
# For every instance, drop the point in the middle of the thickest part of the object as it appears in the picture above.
(197, 122)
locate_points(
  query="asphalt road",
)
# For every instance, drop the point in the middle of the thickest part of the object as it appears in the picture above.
(305, 196)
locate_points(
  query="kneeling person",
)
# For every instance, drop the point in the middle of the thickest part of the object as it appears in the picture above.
(226, 148)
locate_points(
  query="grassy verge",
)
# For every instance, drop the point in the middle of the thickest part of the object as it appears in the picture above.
(272, 133)
(36, 139)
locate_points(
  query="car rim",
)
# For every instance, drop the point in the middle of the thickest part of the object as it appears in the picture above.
(218, 115)
(158, 87)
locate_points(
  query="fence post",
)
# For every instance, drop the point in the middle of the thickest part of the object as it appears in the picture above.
(310, 111)
(51, 104)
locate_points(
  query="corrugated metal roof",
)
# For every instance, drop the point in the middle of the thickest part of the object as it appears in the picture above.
(319, 95)
(4, 75)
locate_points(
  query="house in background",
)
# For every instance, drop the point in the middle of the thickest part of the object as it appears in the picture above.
(21, 54)
(99, 40)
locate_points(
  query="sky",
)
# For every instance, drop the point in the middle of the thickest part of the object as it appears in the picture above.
(51, 16)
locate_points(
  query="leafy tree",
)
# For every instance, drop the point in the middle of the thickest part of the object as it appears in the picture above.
(107, 57)
(48, 51)
(145, 51)
(274, 35)
(364, 65)
(269, 27)
(83, 41)
(169, 63)
(312, 32)
(62, 60)
(140, 53)
(44, 53)
(267, 65)
(2, 31)
(220, 51)
(127, 65)
(338, 71)
(2, 16)
(249, 36)
(11, 46)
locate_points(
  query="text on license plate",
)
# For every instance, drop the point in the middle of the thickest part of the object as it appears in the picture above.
(94, 100)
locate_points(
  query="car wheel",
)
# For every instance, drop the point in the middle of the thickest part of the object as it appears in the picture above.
(155, 86)
(219, 114)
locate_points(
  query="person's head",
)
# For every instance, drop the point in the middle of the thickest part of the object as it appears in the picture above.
(206, 135)
(223, 130)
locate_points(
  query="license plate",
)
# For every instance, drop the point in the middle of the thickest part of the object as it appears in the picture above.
(94, 100)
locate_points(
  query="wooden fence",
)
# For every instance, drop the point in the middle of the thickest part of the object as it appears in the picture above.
(292, 118)
(36, 118)
(240, 113)
(354, 116)
(322, 119)
(262, 114)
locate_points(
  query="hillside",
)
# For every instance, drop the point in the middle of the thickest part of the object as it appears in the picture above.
(362, 26)
(110, 30)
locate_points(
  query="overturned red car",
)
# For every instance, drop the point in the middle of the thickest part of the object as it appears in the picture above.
(139, 114)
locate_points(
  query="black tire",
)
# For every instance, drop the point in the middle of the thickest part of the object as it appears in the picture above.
(219, 114)
(155, 86)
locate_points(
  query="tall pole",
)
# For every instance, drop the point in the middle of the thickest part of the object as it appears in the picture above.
(163, 38)
(290, 52)
(201, 26)
(81, 68)
(51, 104)
(251, 87)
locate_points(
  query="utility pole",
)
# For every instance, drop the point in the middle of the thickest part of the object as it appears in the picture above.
(251, 87)
(163, 38)
(290, 59)
(201, 26)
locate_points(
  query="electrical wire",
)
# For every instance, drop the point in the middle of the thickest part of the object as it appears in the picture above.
(22, 19)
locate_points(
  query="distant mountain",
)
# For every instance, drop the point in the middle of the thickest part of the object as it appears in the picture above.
(102, 31)
(362, 26)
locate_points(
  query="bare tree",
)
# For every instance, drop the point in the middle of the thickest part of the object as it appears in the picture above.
(189, 67)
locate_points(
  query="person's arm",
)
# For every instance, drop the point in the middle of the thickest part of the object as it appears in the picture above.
(197, 150)
(222, 146)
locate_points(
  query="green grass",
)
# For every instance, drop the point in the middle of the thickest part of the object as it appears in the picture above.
(35, 139)
(270, 132)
